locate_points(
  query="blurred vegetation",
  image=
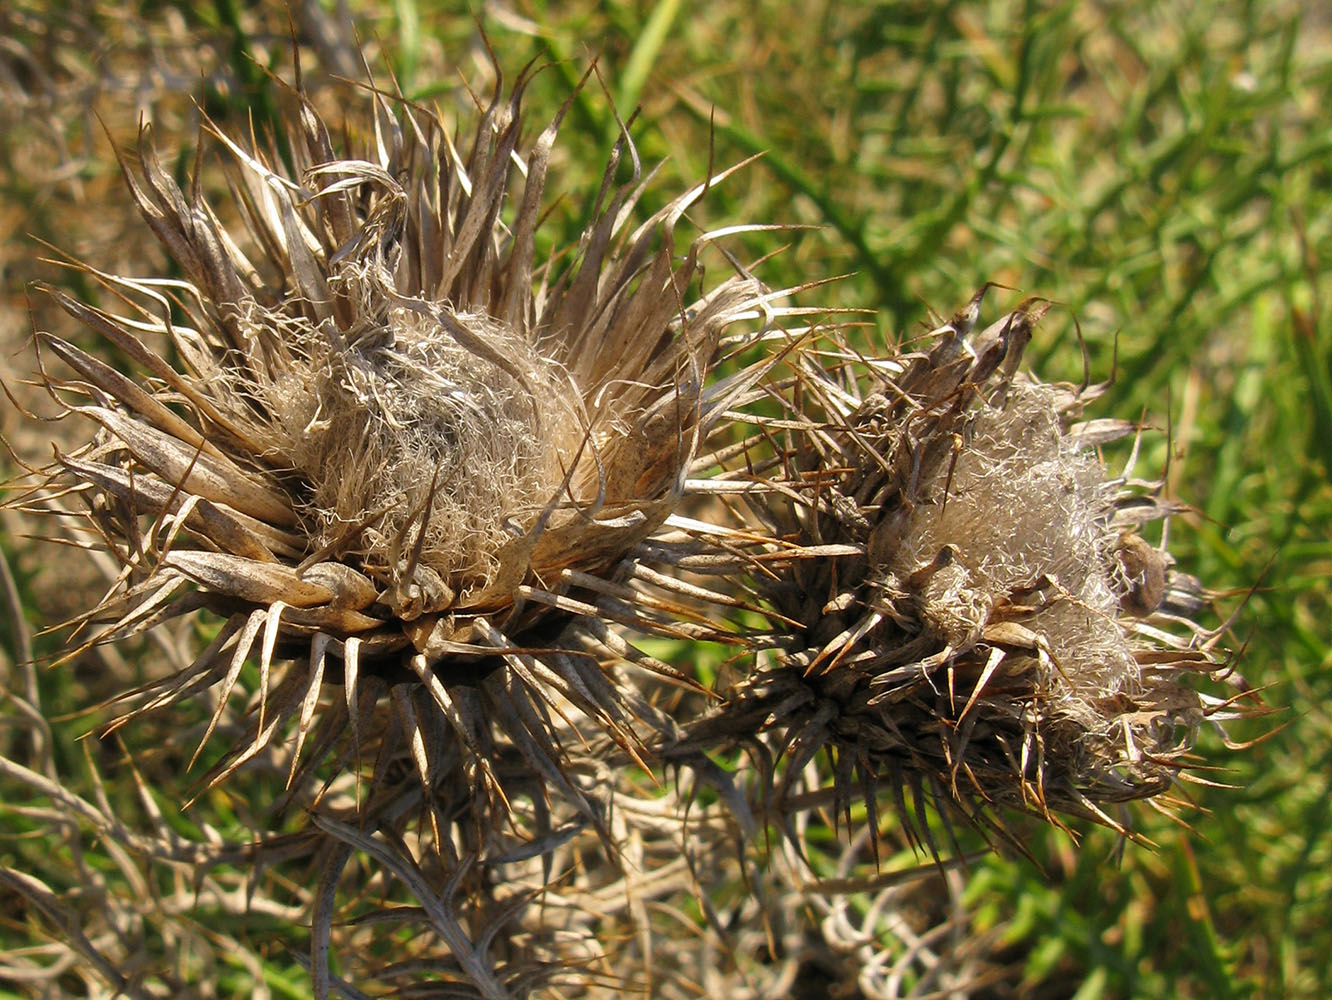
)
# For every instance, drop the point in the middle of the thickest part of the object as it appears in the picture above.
(1159, 170)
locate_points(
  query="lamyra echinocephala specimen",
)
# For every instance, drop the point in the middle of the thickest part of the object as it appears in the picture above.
(434, 487)
(394, 442)
(965, 607)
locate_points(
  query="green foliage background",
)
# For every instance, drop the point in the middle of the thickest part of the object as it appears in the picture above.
(1159, 170)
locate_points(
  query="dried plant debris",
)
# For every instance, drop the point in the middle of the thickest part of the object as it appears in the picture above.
(437, 489)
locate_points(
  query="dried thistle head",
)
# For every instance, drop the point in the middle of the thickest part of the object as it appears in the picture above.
(391, 443)
(964, 606)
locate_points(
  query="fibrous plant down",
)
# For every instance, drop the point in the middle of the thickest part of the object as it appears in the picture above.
(438, 491)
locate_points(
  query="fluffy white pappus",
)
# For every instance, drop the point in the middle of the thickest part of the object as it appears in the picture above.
(432, 455)
(1026, 517)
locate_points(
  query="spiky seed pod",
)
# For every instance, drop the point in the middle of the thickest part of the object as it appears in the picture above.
(964, 607)
(392, 441)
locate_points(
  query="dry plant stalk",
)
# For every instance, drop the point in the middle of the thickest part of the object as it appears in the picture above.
(434, 488)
